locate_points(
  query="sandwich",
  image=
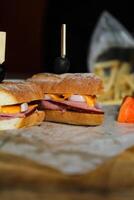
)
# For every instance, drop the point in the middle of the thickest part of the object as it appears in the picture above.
(19, 105)
(71, 98)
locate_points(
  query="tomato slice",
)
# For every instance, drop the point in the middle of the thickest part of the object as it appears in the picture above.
(126, 112)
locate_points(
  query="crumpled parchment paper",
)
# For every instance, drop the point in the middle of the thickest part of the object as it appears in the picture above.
(70, 149)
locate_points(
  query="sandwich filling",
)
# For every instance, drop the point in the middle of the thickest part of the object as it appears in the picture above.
(71, 102)
(17, 111)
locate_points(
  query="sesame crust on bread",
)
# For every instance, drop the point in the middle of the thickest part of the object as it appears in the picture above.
(19, 92)
(77, 83)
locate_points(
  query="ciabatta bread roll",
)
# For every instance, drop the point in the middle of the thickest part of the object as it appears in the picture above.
(71, 98)
(19, 105)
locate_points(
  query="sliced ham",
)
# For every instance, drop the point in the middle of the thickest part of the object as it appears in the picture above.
(50, 105)
(70, 105)
(17, 115)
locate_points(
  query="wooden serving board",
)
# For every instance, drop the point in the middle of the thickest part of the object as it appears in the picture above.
(24, 176)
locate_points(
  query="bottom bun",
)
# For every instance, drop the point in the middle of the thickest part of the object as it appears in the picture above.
(74, 117)
(35, 118)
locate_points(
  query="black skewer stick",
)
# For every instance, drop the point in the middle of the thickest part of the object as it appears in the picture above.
(62, 63)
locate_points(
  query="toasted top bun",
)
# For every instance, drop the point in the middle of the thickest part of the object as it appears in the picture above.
(78, 83)
(19, 92)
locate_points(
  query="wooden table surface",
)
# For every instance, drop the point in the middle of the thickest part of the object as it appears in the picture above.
(24, 179)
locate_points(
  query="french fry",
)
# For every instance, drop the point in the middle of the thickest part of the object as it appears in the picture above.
(118, 83)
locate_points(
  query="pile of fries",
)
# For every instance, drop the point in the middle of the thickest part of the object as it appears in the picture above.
(118, 80)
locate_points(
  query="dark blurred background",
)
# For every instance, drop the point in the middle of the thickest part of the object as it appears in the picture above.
(33, 31)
